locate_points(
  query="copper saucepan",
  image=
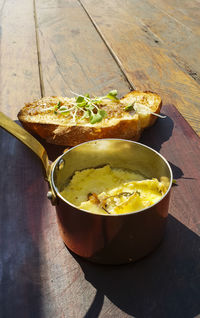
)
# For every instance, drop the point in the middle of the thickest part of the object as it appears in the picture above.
(106, 239)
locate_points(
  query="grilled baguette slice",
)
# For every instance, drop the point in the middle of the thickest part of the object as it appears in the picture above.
(39, 117)
(150, 100)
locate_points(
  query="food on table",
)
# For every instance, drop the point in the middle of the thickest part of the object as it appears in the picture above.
(70, 121)
(107, 190)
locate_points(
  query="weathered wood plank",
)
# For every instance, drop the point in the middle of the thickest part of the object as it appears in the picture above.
(39, 277)
(178, 40)
(19, 77)
(186, 12)
(73, 55)
(146, 65)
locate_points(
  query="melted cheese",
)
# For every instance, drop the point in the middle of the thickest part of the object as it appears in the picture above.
(113, 191)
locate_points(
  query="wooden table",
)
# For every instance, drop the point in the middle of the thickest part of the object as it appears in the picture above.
(51, 47)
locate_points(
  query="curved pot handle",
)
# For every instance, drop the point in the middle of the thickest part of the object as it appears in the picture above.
(20, 133)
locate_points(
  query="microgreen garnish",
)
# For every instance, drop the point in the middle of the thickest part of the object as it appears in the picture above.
(129, 107)
(174, 182)
(112, 95)
(95, 118)
(88, 106)
(141, 109)
(56, 107)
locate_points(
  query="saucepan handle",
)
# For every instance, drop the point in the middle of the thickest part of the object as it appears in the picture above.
(17, 131)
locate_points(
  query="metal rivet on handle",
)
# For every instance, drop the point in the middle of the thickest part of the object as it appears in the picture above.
(49, 195)
(61, 164)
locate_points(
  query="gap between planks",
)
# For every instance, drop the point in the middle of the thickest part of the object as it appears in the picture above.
(115, 57)
(38, 50)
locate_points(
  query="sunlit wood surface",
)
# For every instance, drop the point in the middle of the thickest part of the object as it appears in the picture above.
(50, 47)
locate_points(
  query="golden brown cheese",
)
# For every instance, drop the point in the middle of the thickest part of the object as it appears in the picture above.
(113, 191)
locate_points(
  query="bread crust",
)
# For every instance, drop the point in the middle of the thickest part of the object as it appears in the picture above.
(155, 108)
(74, 135)
(70, 134)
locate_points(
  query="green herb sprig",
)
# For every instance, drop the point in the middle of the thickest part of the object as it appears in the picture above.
(141, 109)
(89, 106)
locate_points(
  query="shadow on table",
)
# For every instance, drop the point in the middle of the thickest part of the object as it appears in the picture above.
(164, 284)
(160, 133)
(22, 191)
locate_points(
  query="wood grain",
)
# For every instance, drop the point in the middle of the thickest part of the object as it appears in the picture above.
(186, 12)
(19, 77)
(43, 279)
(146, 65)
(179, 41)
(73, 55)
(53, 47)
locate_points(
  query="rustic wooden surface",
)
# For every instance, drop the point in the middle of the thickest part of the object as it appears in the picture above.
(51, 47)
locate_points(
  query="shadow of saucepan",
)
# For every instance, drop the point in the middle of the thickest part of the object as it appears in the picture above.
(163, 284)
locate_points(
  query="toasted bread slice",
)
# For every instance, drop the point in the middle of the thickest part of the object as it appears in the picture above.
(152, 102)
(66, 129)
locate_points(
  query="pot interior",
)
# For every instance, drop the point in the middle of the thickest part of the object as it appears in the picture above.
(115, 152)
